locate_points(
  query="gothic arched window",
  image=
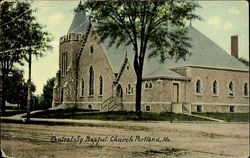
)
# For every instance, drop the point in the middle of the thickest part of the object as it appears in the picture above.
(231, 88)
(91, 49)
(101, 85)
(198, 86)
(129, 89)
(91, 81)
(245, 89)
(215, 87)
(150, 85)
(82, 87)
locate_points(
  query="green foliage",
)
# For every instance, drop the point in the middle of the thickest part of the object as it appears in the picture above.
(114, 116)
(16, 89)
(20, 36)
(244, 61)
(47, 95)
(20, 33)
(158, 25)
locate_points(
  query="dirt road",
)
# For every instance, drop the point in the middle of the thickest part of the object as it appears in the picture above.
(157, 139)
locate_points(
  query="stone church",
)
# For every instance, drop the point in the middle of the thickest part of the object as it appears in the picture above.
(93, 75)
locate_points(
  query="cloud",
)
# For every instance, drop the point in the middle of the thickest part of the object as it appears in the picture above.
(215, 22)
(234, 11)
(227, 26)
(55, 18)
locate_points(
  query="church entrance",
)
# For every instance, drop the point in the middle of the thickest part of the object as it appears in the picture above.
(119, 94)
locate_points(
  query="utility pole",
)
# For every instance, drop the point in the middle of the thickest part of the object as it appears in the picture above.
(29, 88)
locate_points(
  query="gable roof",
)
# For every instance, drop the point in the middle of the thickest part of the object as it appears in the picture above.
(204, 52)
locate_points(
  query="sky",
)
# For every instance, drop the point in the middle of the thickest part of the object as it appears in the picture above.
(221, 20)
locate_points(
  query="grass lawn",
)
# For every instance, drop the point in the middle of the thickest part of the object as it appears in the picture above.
(229, 117)
(114, 116)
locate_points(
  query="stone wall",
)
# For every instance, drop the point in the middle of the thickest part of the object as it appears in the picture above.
(127, 80)
(94, 55)
(64, 91)
(1, 92)
(222, 100)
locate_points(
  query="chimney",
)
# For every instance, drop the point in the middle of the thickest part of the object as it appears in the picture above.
(234, 46)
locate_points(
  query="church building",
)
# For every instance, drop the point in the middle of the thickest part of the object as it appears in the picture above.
(93, 75)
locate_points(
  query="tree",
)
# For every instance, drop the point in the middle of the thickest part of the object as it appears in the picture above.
(47, 95)
(155, 25)
(243, 60)
(16, 89)
(20, 37)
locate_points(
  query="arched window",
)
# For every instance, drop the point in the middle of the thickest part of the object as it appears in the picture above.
(198, 86)
(91, 49)
(245, 89)
(215, 87)
(82, 87)
(89, 106)
(148, 108)
(129, 89)
(231, 88)
(146, 85)
(91, 81)
(101, 85)
(150, 85)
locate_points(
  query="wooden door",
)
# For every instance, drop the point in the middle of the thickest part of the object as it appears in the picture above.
(176, 92)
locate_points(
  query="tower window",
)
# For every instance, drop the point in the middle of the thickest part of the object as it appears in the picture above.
(64, 63)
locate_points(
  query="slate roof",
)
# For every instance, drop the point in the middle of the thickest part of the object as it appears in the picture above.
(204, 53)
(80, 22)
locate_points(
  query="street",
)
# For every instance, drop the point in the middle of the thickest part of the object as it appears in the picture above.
(155, 139)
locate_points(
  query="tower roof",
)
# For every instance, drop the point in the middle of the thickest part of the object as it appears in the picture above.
(80, 22)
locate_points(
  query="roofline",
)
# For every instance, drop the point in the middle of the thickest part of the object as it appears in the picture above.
(167, 78)
(125, 60)
(210, 67)
(104, 50)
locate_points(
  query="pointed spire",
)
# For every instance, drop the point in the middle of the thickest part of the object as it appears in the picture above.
(80, 21)
(126, 55)
(79, 6)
